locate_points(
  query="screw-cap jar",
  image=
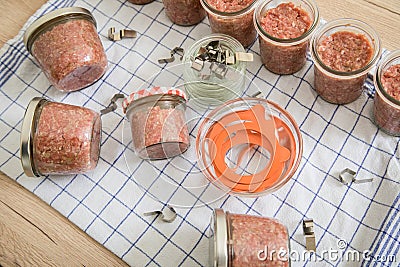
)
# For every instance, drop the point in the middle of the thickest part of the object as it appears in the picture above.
(58, 138)
(343, 51)
(67, 47)
(246, 240)
(386, 112)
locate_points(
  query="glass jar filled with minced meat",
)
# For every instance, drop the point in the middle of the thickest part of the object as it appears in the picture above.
(233, 18)
(67, 47)
(343, 51)
(140, 2)
(238, 240)
(158, 122)
(184, 12)
(284, 29)
(386, 112)
(58, 138)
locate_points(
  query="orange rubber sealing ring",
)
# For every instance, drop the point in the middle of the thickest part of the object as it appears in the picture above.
(248, 127)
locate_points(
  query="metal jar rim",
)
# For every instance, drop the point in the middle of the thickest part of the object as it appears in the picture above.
(42, 23)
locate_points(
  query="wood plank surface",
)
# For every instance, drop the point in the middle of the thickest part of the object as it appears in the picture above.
(33, 233)
(382, 15)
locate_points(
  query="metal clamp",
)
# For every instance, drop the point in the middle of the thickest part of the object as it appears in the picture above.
(125, 33)
(112, 106)
(308, 230)
(347, 176)
(177, 50)
(161, 215)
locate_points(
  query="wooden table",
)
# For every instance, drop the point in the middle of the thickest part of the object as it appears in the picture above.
(33, 232)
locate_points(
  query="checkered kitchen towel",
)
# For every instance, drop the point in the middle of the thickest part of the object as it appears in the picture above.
(109, 202)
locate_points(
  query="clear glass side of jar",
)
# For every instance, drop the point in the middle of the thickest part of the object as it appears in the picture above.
(67, 48)
(214, 91)
(237, 24)
(140, 2)
(256, 241)
(158, 126)
(184, 12)
(285, 56)
(386, 111)
(65, 139)
(340, 87)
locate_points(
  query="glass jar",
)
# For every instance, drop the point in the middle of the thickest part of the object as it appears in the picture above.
(140, 2)
(58, 138)
(233, 18)
(184, 12)
(213, 91)
(243, 240)
(343, 51)
(67, 47)
(249, 147)
(158, 122)
(386, 112)
(283, 46)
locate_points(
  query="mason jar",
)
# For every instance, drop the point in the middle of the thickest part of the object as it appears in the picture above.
(184, 12)
(234, 19)
(58, 138)
(67, 47)
(386, 112)
(343, 51)
(214, 90)
(284, 30)
(238, 240)
(158, 122)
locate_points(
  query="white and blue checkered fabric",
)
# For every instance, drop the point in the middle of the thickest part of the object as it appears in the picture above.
(109, 202)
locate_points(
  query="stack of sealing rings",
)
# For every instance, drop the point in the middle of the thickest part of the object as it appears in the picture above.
(252, 128)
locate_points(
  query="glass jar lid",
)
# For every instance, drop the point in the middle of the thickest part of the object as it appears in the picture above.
(219, 242)
(27, 131)
(42, 23)
(150, 92)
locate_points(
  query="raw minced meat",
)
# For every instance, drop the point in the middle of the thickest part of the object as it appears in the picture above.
(342, 51)
(391, 81)
(386, 112)
(286, 21)
(159, 133)
(345, 51)
(250, 234)
(67, 139)
(229, 5)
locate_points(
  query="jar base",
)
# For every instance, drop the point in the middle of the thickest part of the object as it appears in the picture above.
(163, 150)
